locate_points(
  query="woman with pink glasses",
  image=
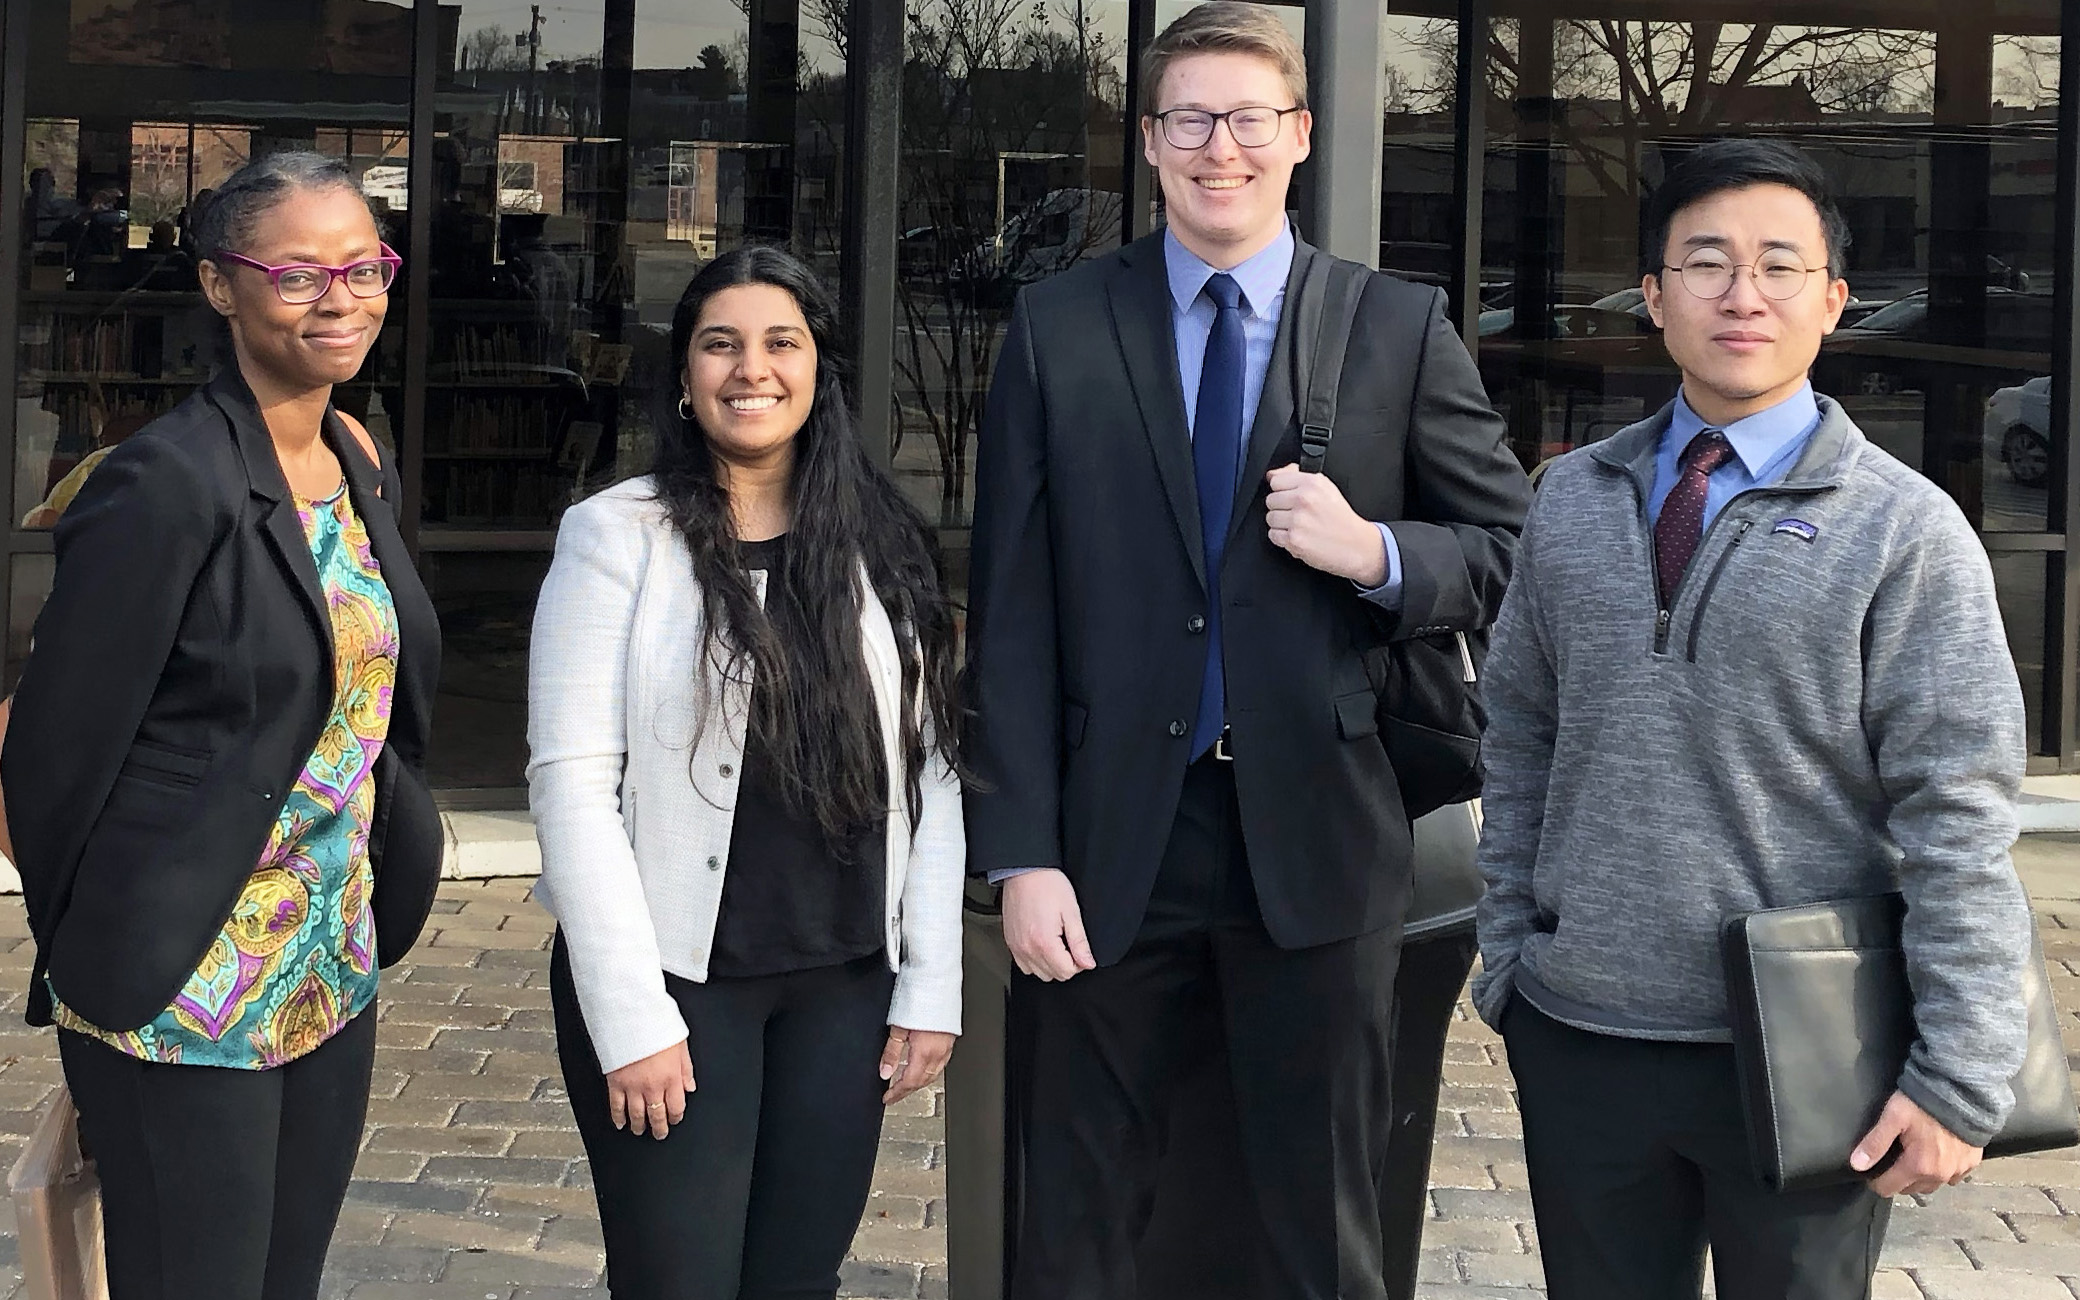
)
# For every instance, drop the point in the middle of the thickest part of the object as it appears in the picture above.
(214, 767)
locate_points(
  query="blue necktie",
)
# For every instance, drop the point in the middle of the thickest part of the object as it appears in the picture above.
(1216, 457)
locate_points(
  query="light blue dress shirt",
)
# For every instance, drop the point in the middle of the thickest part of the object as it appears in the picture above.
(1765, 446)
(1263, 282)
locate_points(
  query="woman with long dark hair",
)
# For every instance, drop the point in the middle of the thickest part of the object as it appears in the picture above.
(215, 767)
(742, 722)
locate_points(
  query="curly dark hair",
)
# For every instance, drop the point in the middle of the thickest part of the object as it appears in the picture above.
(820, 726)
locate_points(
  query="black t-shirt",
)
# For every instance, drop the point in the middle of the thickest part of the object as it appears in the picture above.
(788, 901)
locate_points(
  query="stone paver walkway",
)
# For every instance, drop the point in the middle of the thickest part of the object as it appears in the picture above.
(472, 1185)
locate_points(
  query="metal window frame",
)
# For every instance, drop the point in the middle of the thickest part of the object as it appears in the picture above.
(2060, 719)
(871, 218)
(14, 130)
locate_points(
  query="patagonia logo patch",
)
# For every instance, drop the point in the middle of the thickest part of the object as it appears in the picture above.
(1798, 528)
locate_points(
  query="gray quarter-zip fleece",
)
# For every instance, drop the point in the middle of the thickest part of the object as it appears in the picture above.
(1827, 709)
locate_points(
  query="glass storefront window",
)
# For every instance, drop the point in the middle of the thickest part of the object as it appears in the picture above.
(1950, 201)
(134, 111)
(1419, 219)
(1013, 168)
(588, 159)
(1943, 149)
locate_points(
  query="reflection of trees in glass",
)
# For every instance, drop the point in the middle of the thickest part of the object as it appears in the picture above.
(830, 17)
(489, 49)
(53, 144)
(158, 173)
(2025, 71)
(1628, 82)
(1008, 105)
(1421, 75)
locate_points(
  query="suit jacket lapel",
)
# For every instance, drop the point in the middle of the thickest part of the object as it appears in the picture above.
(264, 479)
(1139, 296)
(1278, 402)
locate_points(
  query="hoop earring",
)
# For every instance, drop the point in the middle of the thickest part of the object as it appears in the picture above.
(686, 410)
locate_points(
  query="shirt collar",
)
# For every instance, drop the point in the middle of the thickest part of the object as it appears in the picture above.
(1758, 439)
(1262, 277)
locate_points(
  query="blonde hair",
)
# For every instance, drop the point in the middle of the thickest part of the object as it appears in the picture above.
(1224, 27)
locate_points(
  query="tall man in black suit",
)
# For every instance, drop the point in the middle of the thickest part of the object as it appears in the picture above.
(1186, 799)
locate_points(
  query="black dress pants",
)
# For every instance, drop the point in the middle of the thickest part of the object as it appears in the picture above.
(1638, 1158)
(756, 1194)
(1304, 1033)
(221, 1184)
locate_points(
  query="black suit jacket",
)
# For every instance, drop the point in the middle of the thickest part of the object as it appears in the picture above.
(181, 673)
(1087, 594)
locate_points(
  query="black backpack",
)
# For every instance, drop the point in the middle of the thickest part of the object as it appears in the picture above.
(1430, 712)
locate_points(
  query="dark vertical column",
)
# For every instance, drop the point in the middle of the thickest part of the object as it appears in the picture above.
(873, 161)
(1305, 200)
(612, 160)
(2060, 718)
(1469, 171)
(427, 50)
(14, 91)
(1141, 178)
(1538, 227)
(771, 75)
(1960, 183)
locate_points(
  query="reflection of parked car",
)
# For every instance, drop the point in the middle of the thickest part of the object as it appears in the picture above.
(1573, 321)
(1424, 263)
(1628, 300)
(2018, 426)
(1888, 351)
(1052, 235)
(1502, 294)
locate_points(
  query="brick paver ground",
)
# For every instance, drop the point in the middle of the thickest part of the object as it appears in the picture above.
(472, 1185)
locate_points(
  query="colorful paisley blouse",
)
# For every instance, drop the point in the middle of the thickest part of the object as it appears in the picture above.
(297, 959)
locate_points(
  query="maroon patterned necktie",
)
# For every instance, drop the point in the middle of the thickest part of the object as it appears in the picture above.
(1681, 526)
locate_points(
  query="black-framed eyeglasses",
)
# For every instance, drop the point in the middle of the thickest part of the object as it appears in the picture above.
(1253, 126)
(1778, 278)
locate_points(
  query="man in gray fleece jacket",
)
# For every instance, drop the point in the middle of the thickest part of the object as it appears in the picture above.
(1747, 660)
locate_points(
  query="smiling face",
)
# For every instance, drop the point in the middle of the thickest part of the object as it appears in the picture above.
(751, 373)
(307, 346)
(1224, 202)
(1744, 352)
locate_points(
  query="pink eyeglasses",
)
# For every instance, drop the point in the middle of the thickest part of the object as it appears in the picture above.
(300, 283)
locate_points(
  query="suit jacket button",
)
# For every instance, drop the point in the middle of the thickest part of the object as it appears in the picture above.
(1177, 728)
(728, 771)
(1196, 624)
(714, 864)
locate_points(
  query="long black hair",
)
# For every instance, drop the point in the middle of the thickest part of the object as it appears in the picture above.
(820, 724)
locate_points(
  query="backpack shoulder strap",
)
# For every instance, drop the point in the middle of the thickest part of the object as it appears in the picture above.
(1332, 292)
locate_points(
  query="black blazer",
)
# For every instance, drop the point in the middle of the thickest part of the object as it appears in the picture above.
(181, 674)
(1087, 593)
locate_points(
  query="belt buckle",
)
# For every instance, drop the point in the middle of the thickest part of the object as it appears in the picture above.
(1221, 752)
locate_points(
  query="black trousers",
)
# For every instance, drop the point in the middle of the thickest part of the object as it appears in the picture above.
(1305, 1036)
(757, 1193)
(1202, 1183)
(1638, 1158)
(221, 1184)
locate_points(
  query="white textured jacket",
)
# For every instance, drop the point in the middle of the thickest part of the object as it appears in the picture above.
(634, 815)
